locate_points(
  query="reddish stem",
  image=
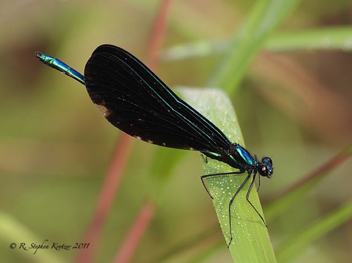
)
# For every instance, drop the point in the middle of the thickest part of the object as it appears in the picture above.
(106, 198)
(320, 172)
(142, 221)
(137, 230)
(157, 35)
(116, 168)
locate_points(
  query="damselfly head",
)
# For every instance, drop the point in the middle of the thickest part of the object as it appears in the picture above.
(266, 167)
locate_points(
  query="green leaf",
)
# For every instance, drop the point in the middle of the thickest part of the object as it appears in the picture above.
(249, 39)
(297, 191)
(14, 232)
(331, 38)
(313, 39)
(251, 242)
(297, 244)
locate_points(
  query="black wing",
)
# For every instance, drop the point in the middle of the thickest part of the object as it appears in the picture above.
(132, 98)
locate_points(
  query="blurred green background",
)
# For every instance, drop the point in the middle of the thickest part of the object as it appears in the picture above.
(294, 105)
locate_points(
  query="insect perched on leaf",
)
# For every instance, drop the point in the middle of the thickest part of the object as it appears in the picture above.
(132, 98)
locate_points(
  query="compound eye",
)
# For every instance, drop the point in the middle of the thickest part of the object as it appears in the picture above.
(267, 161)
(263, 170)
